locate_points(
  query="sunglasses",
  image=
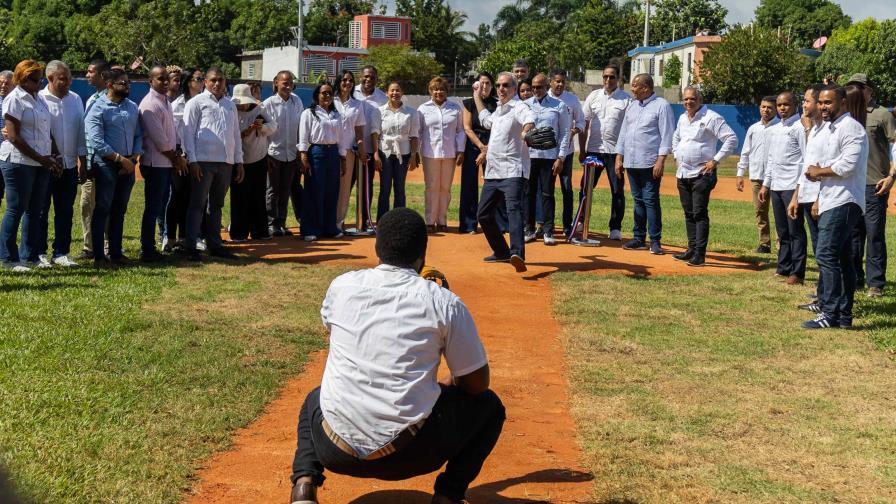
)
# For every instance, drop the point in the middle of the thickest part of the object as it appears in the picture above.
(504, 85)
(35, 77)
(610, 77)
(198, 79)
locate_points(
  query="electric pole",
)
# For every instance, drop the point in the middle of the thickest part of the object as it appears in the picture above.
(646, 23)
(299, 33)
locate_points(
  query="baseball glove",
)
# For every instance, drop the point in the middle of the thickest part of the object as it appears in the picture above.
(541, 138)
(434, 275)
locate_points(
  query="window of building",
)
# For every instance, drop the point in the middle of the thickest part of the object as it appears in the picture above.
(661, 68)
(319, 64)
(389, 30)
(351, 63)
(250, 71)
(652, 66)
(689, 62)
(354, 34)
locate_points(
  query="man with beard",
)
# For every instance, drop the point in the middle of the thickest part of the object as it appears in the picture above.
(113, 132)
(88, 200)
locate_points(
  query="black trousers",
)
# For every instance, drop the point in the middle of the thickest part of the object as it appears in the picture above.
(871, 229)
(541, 186)
(461, 429)
(694, 196)
(791, 234)
(495, 192)
(469, 190)
(248, 212)
(176, 213)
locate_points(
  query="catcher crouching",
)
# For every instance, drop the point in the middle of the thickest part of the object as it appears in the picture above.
(380, 411)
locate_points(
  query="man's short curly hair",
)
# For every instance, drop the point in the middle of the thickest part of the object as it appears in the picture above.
(400, 237)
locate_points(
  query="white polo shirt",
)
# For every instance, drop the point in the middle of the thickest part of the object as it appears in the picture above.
(389, 329)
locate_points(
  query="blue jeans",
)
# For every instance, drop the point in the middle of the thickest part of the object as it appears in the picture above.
(156, 191)
(834, 255)
(62, 194)
(617, 188)
(791, 236)
(646, 194)
(113, 191)
(321, 192)
(25, 189)
(871, 229)
(395, 171)
(494, 192)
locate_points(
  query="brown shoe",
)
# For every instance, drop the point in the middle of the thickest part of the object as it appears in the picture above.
(875, 292)
(303, 493)
(794, 280)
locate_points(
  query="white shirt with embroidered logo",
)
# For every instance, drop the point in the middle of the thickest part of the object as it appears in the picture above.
(695, 142)
(604, 114)
(389, 329)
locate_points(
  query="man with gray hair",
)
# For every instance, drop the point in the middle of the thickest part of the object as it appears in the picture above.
(694, 144)
(506, 171)
(67, 129)
(644, 142)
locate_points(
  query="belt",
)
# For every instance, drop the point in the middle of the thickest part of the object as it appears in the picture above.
(401, 440)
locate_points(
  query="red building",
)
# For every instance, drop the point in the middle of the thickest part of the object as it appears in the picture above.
(369, 30)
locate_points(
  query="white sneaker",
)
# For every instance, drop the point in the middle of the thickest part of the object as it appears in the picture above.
(20, 267)
(200, 245)
(549, 239)
(310, 238)
(166, 245)
(616, 234)
(43, 262)
(65, 261)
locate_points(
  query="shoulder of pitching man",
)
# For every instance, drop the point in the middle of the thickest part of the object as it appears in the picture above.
(541, 138)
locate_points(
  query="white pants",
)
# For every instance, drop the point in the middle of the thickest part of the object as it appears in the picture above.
(438, 173)
(345, 187)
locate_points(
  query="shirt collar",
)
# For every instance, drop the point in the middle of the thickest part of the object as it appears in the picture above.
(699, 115)
(396, 269)
(837, 121)
(648, 100)
(790, 120)
(157, 95)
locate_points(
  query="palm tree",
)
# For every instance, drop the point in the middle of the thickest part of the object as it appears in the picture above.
(510, 16)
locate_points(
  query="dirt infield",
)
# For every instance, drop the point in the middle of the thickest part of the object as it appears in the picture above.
(537, 458)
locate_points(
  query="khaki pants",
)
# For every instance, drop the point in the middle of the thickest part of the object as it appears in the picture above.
(345, 188)
(88, 203)
(438, 173)
(761, 214)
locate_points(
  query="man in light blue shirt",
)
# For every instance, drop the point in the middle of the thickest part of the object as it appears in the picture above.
(114, 135)
(546, 164)
(644, 142)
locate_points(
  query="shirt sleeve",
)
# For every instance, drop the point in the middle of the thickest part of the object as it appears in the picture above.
(578, 116)
(152, 125)
(464, 352)
(728, 138)
(587, 112)
(415, 124)
(851, 145)
(13, 107)
(361, 117)
(270, 126)
(460, 136)
(563, 134)
(620, 143)
(667, 129)
(190, 127)
(744, 162)
(376, 120)
(96, 133)
(485, 119)
(236, 137)
(305, 131)
(676, 137)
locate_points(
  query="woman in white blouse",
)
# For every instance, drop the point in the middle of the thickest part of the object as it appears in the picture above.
(248, 213)
(322, 155)
(399, 143)
(26, 163)
(442, 140)
(353, 122)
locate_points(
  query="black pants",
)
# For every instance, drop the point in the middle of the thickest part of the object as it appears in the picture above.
(176, 213)
(617, 188)
(509, 191)
(461, 429)
(791, 234)
(469, 189)
(248, 213)
(541, 186)
(871, 229)
(694, 196)
(281, 185)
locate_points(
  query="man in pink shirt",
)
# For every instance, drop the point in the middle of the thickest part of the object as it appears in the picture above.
(159, 156)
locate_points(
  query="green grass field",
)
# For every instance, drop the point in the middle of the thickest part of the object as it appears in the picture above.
(686, 389)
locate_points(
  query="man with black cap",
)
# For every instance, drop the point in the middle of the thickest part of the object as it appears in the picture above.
(380, 411)
(881, 128)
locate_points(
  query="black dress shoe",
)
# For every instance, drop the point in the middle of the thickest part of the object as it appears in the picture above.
(763, 249)
(684, 256)
(303, 493)
(495, 259)
(696, 260)
(150, 256)
(193, 255)
(120, 260)
(276, 231)
(222, 252)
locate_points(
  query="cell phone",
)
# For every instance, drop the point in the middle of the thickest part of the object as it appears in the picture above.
(260, 120)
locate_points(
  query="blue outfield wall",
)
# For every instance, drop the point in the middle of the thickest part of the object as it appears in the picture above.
(739, 117)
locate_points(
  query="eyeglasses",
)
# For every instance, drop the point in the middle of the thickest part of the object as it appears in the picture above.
(610, 77)
(198, 79)
(504, 85)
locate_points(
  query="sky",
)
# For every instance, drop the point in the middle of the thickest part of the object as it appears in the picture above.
(739, 11)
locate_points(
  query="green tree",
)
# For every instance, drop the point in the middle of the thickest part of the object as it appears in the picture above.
(398, 62)
(588, 44)
(672, 71)
(436, 28)
(327, 21)
(865, 47)
(675, 19)
(803, 20)
(262, 24)
(750, 63)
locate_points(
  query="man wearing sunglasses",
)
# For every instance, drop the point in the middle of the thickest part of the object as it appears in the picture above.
(604, 110)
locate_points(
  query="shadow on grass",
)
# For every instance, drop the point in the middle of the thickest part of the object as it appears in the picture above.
(482, 493)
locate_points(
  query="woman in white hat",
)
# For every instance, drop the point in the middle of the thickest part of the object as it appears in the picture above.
(248, 214)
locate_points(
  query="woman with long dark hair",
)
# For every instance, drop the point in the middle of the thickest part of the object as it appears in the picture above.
(191, 84)
(322, 158)
(353, 122)
(475, 151)
(856, 104)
